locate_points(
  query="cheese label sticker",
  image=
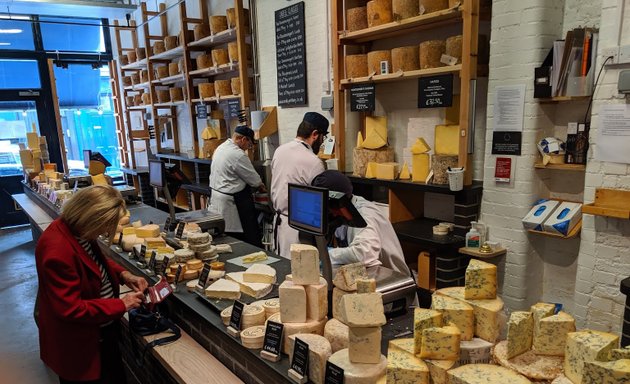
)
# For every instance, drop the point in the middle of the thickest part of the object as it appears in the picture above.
(273, 337)
(237, 315)
(167, 224)
(164, 265)
(143, 252)
(203, 276)
(299, 360)
(334, 374)
(151, 265)
(180, 230)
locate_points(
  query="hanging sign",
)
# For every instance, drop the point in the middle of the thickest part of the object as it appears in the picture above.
(291, 55)
(362, 98)
(435, 91)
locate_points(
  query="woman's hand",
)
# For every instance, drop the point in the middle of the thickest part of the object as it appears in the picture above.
(137, 283)
(133, 300)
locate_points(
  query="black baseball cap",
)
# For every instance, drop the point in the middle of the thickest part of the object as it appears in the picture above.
(245, 131)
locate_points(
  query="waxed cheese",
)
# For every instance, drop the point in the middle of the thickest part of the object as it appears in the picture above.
(316, 301)
(440, 343)
(613, 372)
(319, 350)
(260, 273)
(481, 280)
(347, 275)
(585, 346)
(422, 319)
(405, 368)
(338, 334)
(364, 345)
(485, 374)
(304, 264)
(520, 331)
(457, 312)
(552, 334)
(362, 310)
(292, 302)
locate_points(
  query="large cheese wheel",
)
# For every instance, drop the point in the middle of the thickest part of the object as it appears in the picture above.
(131, 57)
(356, 18)
(203, 61)
(173, 69)
(206, 90)
(313, 327)
(158, 47)
(405, 58)
(218, 24)
(220, 57)
(162, 71)
(253, 337)
(379, 12)
(231, 18)
(318, 353)
(126, 81)
(431, 53)
(358, 373)
(374, 59)
(454, 47)
(146, 99)
(439, 165)
(233, 51)
(356, 66)
(189, 36)
(223, 87)
(163, 96)
(170, 42)
(141, 53)
(337, 333)
(176, 93)
(201, 31)
(135, 78)
(235, 84)
(404, 9)
(433, 5)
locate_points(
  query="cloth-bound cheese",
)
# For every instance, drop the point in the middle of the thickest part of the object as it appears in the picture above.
(337, 334)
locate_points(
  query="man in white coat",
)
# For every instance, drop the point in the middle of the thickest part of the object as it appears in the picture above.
(376, 244)
(295, 162)
(231, 176)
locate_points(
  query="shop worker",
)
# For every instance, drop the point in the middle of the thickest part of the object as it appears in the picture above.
(77, 308)
(295, 162)
(232, 175)
(376, 244)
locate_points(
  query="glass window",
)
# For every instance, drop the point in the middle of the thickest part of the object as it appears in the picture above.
(19, 74)
(16, 32)
(72, 35)
(16, 118)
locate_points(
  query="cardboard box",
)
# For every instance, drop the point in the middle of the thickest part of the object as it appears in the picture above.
(564, 218)
(539, 213)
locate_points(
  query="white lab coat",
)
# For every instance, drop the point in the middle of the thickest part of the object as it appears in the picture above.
(293, 162)
(230, 172)
(376, 244)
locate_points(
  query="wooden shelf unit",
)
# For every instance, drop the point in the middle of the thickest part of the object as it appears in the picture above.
(121, 133)
(474, 252)
(401, 76)
(562, 167)
(573, 233)
(610, 203)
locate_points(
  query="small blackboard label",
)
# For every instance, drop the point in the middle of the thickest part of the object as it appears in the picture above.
(362, 98)
(120, 239)
(178, 273)
(273, 337)
(506, 143)
(143, 252)
(435, 91)
(299, 360)
(151, 265)
(334, 374)
(237, 315)
(180, 230)
(167, 225)
(202, 111)
(165, 265)
(291, 55)
(203, 276)
(234, 105)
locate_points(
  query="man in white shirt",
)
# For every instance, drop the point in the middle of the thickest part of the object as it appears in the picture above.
(376, 244)
(231, 176)
(295, 162)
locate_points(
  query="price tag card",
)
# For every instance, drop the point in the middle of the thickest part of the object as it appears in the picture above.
(202, 111)
(435, 91)
(180, 230)
(143, 252)
(203, 276)
(273, 341)
(164, 266)
(178, 274)
(334, 374)
(120, 239)
(362, 98)
(167, 225)
(299, 362)
(235, 320)
(151, 265)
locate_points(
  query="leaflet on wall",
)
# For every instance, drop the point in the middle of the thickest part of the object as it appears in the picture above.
(613, 134)
(509, 106)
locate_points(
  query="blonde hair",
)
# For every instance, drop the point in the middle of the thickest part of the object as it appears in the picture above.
(94, 211)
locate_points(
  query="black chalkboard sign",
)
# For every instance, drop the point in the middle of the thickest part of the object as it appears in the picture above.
(151, 265)
(180, 230)
(234, 105)
(202, 111)
(203, 276)
(273, 337)
(362, 98)
(178, 274)
(291, 55)
(506, 143)
(334, 374)
(299, 360)
(165, 265)
(435, 91)
(237, 315)
(143, 252)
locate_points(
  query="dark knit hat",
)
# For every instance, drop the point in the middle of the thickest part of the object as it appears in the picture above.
(319, 121)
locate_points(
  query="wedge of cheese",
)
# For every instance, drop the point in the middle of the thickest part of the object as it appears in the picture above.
(540, 311)
(620, 353)
(406, 345)
(552, 334)
(404, 172)
(359, 140)
(255, 290)
(520, 331)
(438, 370)
(292, 302)
(149, 230)
(420, 146)
(375, 132)
(423, 319)
(481, 280)
(387, 171)
(370, 171)
(441, 343)
(613, 372)
(362, 310)
(447, 140)
(358, 373)
(455, 311)
(586, 346)
(420, 167)
(209, 133)
(223, 289)
(99, 179)
(486, 374)
(304, 264)
(319, 350)
(347, 276)
(338, 334)
(260, 273)
(403, 367)
(336, 301)
(154, 242)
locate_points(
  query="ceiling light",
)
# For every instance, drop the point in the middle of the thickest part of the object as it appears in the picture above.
(4, 44)
(12, 30)
(78, 113)
(14, 17)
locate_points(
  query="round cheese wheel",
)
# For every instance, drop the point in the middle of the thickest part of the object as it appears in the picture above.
(226, 314)
(146, 99)
(200, 247)
(252, 337)
(275, 318)
(141, 53)
(231, 18)
(433, 5)
(253, 315)
(131, 57)
(356, 66)
(177, 94)
(170, 42)
(206, 90)
(223, 87)
(217, 266)
(201, 31)
(183, 255)
(135, 78)
(374, 59)
(271, 306)
(379, 12)
(173, 69)
(203, 61)
(191, 285)
(485, 373)
(162, 71)
(158, 47)
(194, 264)
(220, 57)
(431, 53)
(356, 19)
(337, 333)
(200, 237)
(235, 84)
(233, 52)
(404, 9)
(210, 254)
(191, 274)
(315, 327)
(405, 58)
(163, 96)
(358, 373)
(218, 24)
(454, 47)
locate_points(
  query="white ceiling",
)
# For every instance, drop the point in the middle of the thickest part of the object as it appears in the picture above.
(110, 9)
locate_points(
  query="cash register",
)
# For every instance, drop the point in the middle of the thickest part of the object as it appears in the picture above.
(316, 213)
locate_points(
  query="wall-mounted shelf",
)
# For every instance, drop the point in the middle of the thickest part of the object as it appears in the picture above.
(139, 108)
(170, 104)
(212, 71)
(610, 203)
(171, 54)
(216, 99)
(562, 167)
(474, 252)
(562, 99)
(213, 40)
(573, 233)
(141, 64)
(169, 80)
(401, 76)
(140, 86)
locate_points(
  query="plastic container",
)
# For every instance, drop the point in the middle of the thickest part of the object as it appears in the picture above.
(455, 179)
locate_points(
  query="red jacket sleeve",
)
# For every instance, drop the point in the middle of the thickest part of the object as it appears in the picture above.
(116, 268)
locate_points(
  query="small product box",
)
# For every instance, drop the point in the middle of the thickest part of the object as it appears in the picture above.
(564, 218)
(539, 213)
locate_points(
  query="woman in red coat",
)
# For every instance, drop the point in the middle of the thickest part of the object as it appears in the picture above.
(78, 300)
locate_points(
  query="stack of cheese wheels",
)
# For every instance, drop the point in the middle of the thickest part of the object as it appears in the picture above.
(430, 6)
(146, 99)
(233, 52)
(220, 57)
(223, 87)
(217, 266)
(135, 78)
(183, 255)
(170, 42)
(404, 9)
(405, 58)
(144, 76)
(162, 71)
(431, 53)
(131, 57)
(379, 12)
(272, 306)
(374, 59)
(356, 19)
(218, 24)
(201, 31)
(141, 53)
(253, 315)
(231, 18)
(206, 90)
(126, 81)
(203, 61)
(158, 47)
(253, 337)
(195, 264)
(356, 66)
(454, 47)
(177, 94)
(235, 84)
(163, 96)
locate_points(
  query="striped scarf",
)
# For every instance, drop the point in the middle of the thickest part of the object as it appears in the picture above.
(107, 292)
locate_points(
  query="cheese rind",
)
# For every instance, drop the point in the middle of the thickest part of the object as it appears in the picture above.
(405, 368)
(304, 264)
(552, 333)
(364, 345)
(312, 327)
(447, 140)
(519, 336)
(457, 312)
(440, 343)
(586, 346)
(260, 273)
(292, 302)
(422, 319)
(149, 230)
(358, 373)
(347, 276)
(319, 350)
(316, 301)
(613, 372)
(620, 353)
(255, 290)
(438, 370)
(481, 280)
(336, 301)
(362, 310)
(485, 373)
(338, 334)
(223, 289)
(366, 285)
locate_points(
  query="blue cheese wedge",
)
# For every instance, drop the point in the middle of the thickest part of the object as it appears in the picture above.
(613, 372)
(620, 353)
(485, 374)
(457, 312)
(519, 336)
(481, 280)
(552, 333)
(586, 346)
(362, 310)
(403, 367)
(441, 343)
(422, 319)
(438, 370)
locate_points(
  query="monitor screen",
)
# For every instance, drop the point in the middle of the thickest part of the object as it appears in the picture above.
(156, 173)
(87, 154)
(308, 209)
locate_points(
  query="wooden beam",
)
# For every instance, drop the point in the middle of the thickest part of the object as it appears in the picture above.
(188, 67)
(242, 54)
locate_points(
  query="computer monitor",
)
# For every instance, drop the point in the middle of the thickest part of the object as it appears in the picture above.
(308, 209)
(156, 173)
(87, 155)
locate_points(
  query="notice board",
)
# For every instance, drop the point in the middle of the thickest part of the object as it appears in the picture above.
(291, 55)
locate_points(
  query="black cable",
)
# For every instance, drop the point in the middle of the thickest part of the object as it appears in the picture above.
(590, 101)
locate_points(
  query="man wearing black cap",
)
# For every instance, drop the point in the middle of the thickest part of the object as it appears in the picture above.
(376, 244)
(295, 162)
(231, 176)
